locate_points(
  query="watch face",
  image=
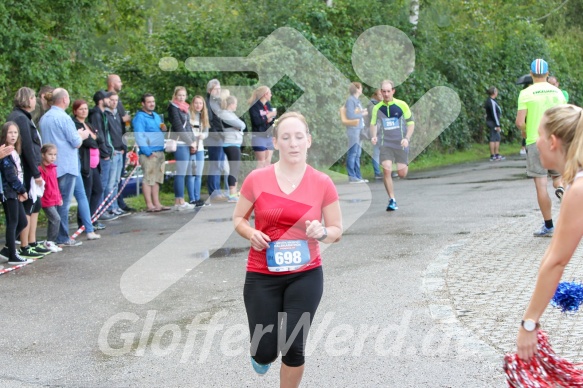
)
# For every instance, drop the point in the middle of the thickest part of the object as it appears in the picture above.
(529, 325)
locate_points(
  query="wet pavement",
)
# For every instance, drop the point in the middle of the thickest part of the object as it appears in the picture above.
(428, 296)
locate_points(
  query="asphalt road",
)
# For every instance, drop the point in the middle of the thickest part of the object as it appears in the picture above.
(158, 300)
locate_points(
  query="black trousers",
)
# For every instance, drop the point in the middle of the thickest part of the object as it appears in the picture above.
(15, 223)
(286, 302)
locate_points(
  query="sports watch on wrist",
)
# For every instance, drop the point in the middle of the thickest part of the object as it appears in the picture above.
(529, 325)
(323, 236)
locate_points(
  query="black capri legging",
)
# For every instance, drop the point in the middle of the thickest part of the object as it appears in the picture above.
(233, 154)
(15, 222)
(273, 299)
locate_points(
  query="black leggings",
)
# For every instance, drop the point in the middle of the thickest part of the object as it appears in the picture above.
(15, 222)
(234, 157)
(93, 190)
(266, 297)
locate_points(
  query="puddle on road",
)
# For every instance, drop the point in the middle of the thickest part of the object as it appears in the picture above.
(355, 200)
(227, 252)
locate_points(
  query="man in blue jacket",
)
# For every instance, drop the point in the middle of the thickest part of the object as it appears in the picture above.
(147, 126)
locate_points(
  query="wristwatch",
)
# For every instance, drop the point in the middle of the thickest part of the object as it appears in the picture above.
(323, 236)
(529, 325)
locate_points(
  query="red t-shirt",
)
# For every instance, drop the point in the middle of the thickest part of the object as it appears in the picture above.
(283, 216)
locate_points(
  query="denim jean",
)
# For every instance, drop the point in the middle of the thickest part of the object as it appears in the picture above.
(82, 203)
(376, 154)
(54, 222)
(354, 152)
(196, 183)
(114, 177)
(184, 171)
(105, 170)
(216, 156)
(66, 187)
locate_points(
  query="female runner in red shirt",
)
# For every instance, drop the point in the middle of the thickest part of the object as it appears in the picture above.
(284, 280)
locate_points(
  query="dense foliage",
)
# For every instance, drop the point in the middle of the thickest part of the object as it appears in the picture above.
(466, 45)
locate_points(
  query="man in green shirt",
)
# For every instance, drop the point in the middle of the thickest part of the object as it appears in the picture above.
(532, 104)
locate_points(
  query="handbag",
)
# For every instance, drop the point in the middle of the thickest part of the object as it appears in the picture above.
(345, 121)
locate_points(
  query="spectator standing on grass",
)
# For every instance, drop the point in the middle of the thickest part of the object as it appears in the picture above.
(148, 126)
(493, 113)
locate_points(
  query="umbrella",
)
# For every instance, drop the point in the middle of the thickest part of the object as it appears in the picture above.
(524, 80)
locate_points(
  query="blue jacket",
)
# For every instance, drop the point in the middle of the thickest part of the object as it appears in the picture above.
(149, 136)
(11, 185)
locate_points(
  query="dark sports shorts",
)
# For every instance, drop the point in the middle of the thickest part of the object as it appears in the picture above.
(395, 155)
(31, 207)
(494, 134)
(262, 142)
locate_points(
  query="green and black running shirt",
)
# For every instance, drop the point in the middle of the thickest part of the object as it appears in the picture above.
(393, 118)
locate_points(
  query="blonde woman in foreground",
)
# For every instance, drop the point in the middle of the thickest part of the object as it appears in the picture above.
(560, 144)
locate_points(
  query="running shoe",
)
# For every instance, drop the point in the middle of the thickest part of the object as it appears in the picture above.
(19, 260)
(98, 225)
(259, 368)
(392, 205)
(70, 243)
(40, 248)
(52, 246)
(544, 232)
(28, 252)
(93, 236)
(559, 192)
(108, 216)
(5, 253)
(183, 207)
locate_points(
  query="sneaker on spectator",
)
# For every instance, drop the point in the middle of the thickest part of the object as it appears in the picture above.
(129, 209)
(70, 243)
(559, 192)
(378, 177)
(201, 203)
(98, 225)
(500, 157)
(219, 198)
(183, 207)
(493, 158)
(5, 253)
(392, 205)
(93, 236)
(233, 198)
(52, 246)
(259, 368)
(544, 232)
(120, 213)
(17, 242)
(19, 260)
(28, 252)
(40, 248)
(107, 216)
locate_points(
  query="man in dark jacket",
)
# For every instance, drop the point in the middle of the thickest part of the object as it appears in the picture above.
(98, 120)
(114, 138)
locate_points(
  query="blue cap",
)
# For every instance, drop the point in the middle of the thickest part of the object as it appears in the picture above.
(539, 67)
